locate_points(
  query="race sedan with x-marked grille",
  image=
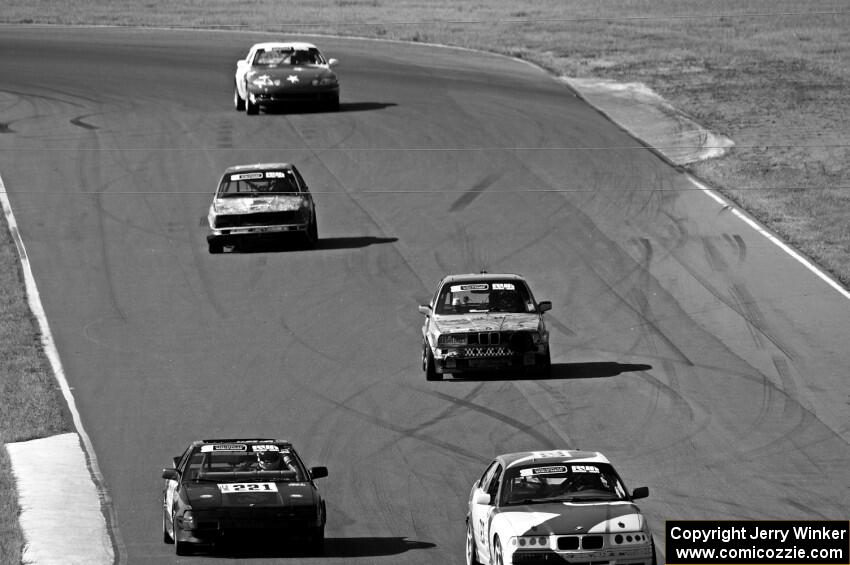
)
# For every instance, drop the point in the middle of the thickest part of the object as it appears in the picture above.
(562, 506)
(220, 489)
(277, 73)
(484, 322)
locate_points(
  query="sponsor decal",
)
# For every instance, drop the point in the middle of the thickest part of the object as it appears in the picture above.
(542, 454)
(224, 447)
(292, 78)
(462, 287)
(503, 286)
(275, 175)
(246, 176)
(543, 470)
(238, 488)
(584, 468)
(265, 448)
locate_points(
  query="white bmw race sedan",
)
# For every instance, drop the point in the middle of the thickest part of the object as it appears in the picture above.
(565, 506)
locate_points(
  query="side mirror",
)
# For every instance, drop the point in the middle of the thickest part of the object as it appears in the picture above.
(170, 474)
(544, 306)
(176, 461)
(640, 492)
(481, 497)
(333, 62)
(241, 62)
(318, 472)
(425, 309)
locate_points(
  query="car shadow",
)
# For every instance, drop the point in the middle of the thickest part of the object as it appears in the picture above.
(593, 370)
(314, 108)
(334, 548)
(273, 245)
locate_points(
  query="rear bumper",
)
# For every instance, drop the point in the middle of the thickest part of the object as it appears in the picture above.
(225, 236)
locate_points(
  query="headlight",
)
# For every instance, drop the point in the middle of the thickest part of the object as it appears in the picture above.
(324, 81)
(188, 519)
(262, 81)
(451, 339)
(530, 541)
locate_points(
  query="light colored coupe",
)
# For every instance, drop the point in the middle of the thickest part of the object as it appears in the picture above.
(278, 73)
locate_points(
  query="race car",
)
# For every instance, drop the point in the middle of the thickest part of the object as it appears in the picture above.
(279, 73)
(261, 200)
(224, 488)
(484, 322)
(563, 506)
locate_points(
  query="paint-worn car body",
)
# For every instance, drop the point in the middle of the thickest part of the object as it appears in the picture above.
(278, 73)
(261, 200)
(216, 490)
(484, 322)
(564, 506)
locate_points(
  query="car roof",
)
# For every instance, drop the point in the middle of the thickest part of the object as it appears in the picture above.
(551, 457)
(482, 277)
(256, 167)
(284, 44)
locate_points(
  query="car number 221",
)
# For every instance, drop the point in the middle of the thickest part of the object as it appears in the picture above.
(247, 487)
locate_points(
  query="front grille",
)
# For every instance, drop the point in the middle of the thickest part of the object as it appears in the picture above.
(484, 338)
(485, 352)
(259, 219)
(585, 542)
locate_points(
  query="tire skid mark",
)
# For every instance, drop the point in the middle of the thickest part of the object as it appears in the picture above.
(474, 192)
(528, 430)
(407, 433)
(78, 121)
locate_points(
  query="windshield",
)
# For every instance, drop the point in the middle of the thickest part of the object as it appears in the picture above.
(497, 296)
(258, 183)
(233, 462)
(287, 56)
(580, 482)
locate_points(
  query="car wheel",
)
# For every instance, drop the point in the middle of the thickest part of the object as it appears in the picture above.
(238, 101)
(180, 547)
(431, 373)
(654, 558)
(471, 549)
(544, 366)
(166, 537)
(215, 247)
(498, 558)
(251, 107)
(317, 541)
(311, 236)
(333, 104)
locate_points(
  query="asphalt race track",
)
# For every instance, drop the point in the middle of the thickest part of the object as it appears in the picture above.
(704, 361)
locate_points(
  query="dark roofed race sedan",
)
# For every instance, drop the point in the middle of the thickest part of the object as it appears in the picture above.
(224, 488)
(276, 73)
(561, 506)
(484, 322)
(261, 200)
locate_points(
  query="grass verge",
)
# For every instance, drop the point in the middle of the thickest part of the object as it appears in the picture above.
(32, 404)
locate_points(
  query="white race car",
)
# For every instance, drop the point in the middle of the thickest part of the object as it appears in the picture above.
(277, 73)
(565, 506)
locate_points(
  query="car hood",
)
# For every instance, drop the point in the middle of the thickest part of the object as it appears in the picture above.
(573, 518)
(486, 322)
(208, 495)
(251, 204)
(284, 74)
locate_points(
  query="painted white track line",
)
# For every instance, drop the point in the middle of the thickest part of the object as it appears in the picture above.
(58, 479)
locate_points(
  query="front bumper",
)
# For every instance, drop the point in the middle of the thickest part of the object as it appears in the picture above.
(488, 358)
(279, 96)
(631, 556)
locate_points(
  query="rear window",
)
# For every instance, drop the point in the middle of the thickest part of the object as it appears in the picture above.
(259, 183)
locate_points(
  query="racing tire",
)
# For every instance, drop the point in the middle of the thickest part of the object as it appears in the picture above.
(317, 541)
(654, 560)
(166, 537)
(431, 373)
(180, 547)
(215, 247)
(251, 108)
(544, 368)
(333, 104)
(498, 556)
(471, 549)
(311, 236)
(238, 101)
